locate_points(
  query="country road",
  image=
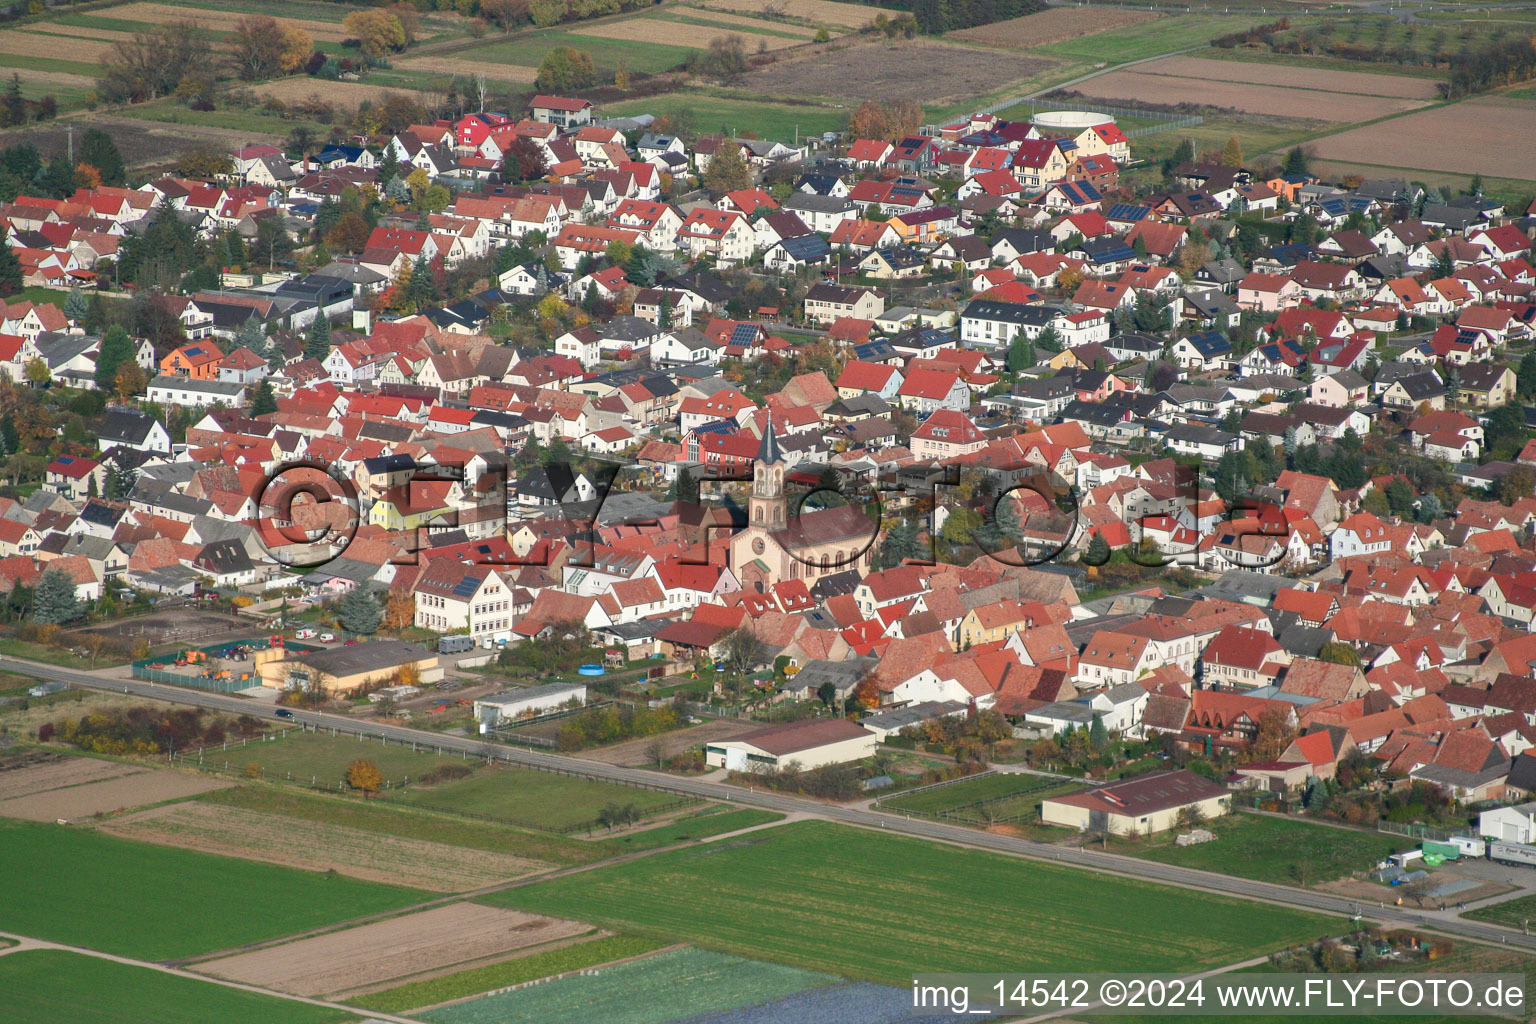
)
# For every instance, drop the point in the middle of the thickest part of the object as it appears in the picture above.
(1079, 857)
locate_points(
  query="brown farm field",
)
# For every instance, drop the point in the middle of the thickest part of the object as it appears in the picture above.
(25, 43)
(1360, 83)
(820, 12)
(930, 72)
(1269, 100)
(375, 954)
(1053, 25)
(1488, 135)
(319, 846)
(657, 30)
(80, 801)
(518, 73)
(42, 770)
(223, 21)
(346, 94)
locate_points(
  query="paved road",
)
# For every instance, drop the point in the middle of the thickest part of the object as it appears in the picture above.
(1091, 859)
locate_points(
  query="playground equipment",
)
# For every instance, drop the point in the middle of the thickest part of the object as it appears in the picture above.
(591, 670)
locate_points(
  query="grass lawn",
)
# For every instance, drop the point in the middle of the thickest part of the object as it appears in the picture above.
(14, 648)
(879, 907)
(1286, 850)
(51, 986)
(325, 758)
(712, 821)
(537, 798)
(172, 111)
(529, 49)
(768, 119)
(1165, 35)
(1510, 913)
(988, 787)
(157, 902)
(513, 972)
(1320, 62)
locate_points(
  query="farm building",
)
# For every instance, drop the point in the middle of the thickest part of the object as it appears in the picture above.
(527, 700)
(808, 744)
(1515, 824)
(346, 669)
(1139, 806)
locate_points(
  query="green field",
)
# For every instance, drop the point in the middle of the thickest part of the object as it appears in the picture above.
(50, 986)
(325, 758)
(514, 972)
(1270, 849)
(1134, 42)
(878, 906)
(651, 990)
(159, 903)
(529, 49)
(1510, 913)
(967, 791)
(537, 798)
(767, 119)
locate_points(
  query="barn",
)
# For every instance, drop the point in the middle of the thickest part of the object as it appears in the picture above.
(809, 744)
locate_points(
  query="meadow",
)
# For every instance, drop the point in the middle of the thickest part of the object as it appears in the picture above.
(1509, 913)
(160, 903)
(956, 794)
(829, 898)
(529, 48)
(1135, 42)
(49, 986)
(541, 799)
(1274, 849)
(770, 120)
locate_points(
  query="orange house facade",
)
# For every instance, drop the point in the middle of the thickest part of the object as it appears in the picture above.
(197, 361)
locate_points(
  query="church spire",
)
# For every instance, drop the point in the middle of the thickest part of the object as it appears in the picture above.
(768, 452)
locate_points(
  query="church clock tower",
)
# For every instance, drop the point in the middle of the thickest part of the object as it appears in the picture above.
(766, 507)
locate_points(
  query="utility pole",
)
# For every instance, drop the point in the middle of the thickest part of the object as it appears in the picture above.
(69, 135)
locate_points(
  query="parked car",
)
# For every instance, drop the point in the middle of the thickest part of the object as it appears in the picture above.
(327, 638)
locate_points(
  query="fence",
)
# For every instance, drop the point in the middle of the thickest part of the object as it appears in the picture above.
(151, 669)
(1413, 830)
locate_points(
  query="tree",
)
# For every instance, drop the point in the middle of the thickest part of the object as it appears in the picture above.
(98, 150)
(37, 373)
(1275, 732)
(263, 401)
(317, 340)
(565, 68)
(686, 487)
(1098, 735)
(55, 602)
(1021, 353)
(1296, 162)
(1232, 153)
(350, 235)
(116, 346)
(1525, 376)
(725, 60)
(728, 170)
(1098, 552)
(256, 47)
(15, 109)
(365, 776)
(130, 380)
(378, 32)
(76, 306)
(204, 163)
(1337, 652)
(827, 693)
(359, 610)
(524, 159)
(120, 481)
(10, 270)
(738, 652)
(154, 62)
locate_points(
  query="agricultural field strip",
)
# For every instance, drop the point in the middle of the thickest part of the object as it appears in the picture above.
(728, 21)
(1276, 101)
(312, 846)
(1315, 79)
(1485, 134)
(817, 12)
(1053, 25)
(75, 803)
(61, 774)
(378, 953)
(657, 30)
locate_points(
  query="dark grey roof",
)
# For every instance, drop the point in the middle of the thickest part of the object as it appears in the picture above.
(373, 656)
(126, 427)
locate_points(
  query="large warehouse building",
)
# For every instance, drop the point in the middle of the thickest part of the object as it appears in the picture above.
(808, 744)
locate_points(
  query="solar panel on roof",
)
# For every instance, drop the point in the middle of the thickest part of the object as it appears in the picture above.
(743, 334)
(467, 587)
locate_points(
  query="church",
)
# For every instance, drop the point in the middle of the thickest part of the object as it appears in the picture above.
(815, 544)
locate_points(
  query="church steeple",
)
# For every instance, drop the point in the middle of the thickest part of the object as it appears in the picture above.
(767, 503)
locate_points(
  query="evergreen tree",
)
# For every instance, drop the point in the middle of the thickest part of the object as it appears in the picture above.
(8, 435)
(58, 180)
(95, 315)
(317, 340)
(10, 270)
(1021, 353)
(116, 348)
(397, 191)
(120, 481)
(900, 543)
(1098, 735)
(263, 401)
(1296, 162)
(685, 487)
(75, 306)
(251, 336)
(422, 291)
(1098, 550)
(359, 610)
(1525, 377)
(55, 602)
(1232, 152)
(15, 106)
(98, 150)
